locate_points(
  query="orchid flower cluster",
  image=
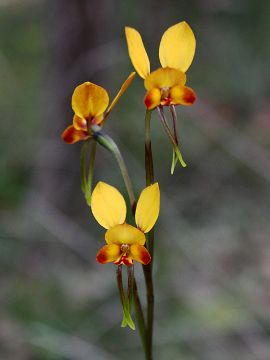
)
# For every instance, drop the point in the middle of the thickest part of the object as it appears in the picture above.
(125, 243)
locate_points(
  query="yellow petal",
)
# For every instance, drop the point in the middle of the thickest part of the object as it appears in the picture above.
(123, 88)
(152, 98)
(89, 100)
(108, 205)
(124, 234)
(79, 123)
(164, 78)
(147, 209)
(108, 253)
(137, 53)
(177, 47)
(140, 254)
(182, 95)
(70, 135)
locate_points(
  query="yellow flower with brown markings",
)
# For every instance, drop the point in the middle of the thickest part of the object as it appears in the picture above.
(90, 104)
(166, 85)
(125, 242)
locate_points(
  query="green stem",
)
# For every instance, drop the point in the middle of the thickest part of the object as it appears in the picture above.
(149, 167)
(147, 269)
(140, 317)
(133, 295)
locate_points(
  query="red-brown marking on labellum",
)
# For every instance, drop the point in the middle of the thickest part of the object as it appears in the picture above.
(147, 101)
(152, 98)
(146, 258)
(101, 257)
(189, 96)
(124, 260)
(71, 135)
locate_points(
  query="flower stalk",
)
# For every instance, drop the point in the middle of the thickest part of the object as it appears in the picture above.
(149, 167)
(147, 269)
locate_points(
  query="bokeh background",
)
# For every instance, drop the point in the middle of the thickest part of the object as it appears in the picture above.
(212, 267)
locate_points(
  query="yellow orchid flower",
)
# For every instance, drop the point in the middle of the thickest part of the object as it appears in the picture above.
(90, 105)
(125, 242)
(166, 85)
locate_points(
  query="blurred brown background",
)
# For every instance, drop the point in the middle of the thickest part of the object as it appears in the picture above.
(212, 267)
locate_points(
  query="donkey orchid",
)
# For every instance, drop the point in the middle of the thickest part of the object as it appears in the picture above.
(125, 242)
(166, 85)
(90, 104)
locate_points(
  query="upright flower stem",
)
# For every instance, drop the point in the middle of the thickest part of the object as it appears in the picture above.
(147, 269)
(149, 166)
(140, 317)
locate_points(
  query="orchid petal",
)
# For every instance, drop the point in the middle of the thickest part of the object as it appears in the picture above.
(89, 100)
(152, 98)
(148, 207)
(70, 135)
(182, 95)
(140, 254)
(79, 123)
(177, 47)
(108, 205)
(164, 78)
(108, 253)
(137, 52)
(124, 234)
